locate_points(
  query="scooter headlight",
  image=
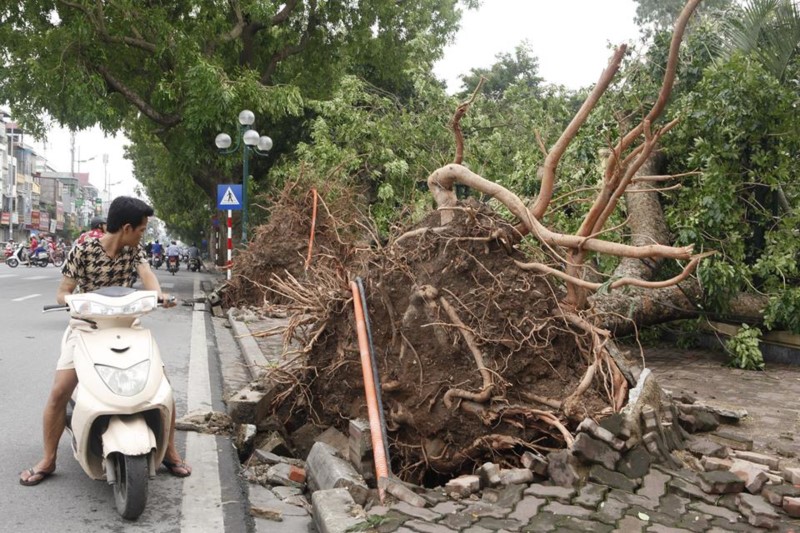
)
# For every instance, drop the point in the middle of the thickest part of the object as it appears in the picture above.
(89, 307)
(125, 381)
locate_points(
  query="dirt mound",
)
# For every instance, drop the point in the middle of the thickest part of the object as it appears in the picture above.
(472, 353)
(279, 249)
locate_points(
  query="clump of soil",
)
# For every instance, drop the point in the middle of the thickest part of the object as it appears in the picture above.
(279, 248)
(440, 299)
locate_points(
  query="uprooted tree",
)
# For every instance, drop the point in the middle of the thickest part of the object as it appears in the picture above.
(492, 337)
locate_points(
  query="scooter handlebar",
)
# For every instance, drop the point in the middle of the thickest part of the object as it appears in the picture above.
(65, 307)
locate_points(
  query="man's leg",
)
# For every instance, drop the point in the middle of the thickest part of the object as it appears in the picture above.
(53, 421)
(172, 458)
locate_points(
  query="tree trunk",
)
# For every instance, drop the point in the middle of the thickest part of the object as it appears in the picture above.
(621, 311)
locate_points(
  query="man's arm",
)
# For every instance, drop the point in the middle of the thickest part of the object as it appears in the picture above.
(65, 288)
(150, 282)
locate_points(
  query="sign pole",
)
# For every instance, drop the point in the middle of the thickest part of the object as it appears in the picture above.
(230, 243)
(228, 200)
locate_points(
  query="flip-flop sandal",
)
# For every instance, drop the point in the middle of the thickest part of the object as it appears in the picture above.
(172, 468)
(42, 475)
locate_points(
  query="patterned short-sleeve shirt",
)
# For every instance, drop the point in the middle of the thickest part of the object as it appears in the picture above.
(89, 265)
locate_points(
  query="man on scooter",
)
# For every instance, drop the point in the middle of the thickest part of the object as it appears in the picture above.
(112, 260)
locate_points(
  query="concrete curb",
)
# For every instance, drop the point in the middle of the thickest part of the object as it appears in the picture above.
(253, 357)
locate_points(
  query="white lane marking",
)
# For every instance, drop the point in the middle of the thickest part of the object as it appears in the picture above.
(201, 508)
(32, 278)
(28, 297)
(167, 285)
(8, 275)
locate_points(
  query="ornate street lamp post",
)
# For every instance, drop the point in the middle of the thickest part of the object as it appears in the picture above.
(250, 141)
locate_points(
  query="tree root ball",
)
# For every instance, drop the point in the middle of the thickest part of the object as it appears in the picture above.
(475, 356)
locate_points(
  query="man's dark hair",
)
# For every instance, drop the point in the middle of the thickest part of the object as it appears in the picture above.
(126, 210)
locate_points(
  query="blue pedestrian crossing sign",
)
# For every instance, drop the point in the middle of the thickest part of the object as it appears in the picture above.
(229, 196)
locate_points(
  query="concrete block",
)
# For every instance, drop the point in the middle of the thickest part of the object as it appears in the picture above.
(360, 440)
(272, 442)
(758, 512)
(720, 482)
(515, 476)
(327, 471)
(773, 462)
(463, 486)
(775, 494)
(594, 451)
(401, 492)
(792, 475)
(335, 439)
(535, 462)
(564, 469)
(792, 506)
(592, 428)
(715, 463)
(249, 405)
(732, 440)
(335, 511)
(754, 478)
(489, 474)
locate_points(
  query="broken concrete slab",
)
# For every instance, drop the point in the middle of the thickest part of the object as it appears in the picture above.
(250, 405)
(594, 451)
(758, 512)
(463, 486)
(326, 470)
(760, 458)
(754, 478)
(720, 482)
(400, 491)
(335, 511)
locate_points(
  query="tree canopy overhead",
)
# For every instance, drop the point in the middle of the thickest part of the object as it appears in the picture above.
(179, 71)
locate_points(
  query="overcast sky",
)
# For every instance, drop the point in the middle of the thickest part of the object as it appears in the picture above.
(569, 37)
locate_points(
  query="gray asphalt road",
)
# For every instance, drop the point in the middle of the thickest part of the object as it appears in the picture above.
(69, 500)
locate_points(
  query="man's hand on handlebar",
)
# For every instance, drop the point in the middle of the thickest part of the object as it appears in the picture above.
(167, 300)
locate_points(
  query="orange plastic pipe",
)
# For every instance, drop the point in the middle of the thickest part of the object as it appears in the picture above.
(313, 226)
(378, 449)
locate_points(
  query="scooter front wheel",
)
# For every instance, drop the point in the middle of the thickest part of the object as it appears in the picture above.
(13, 262)
(130, 490)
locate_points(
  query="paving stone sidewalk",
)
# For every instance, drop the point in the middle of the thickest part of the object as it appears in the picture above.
(771, 398)
(664, 501)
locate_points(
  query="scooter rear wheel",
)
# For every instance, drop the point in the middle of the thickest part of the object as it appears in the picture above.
(130, 490)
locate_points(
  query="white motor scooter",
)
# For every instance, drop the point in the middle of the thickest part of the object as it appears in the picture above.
(119, 416)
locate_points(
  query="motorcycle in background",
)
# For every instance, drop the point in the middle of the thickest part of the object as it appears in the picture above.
(20, 255)
(172, 264)
(194, 264)
(156, 260)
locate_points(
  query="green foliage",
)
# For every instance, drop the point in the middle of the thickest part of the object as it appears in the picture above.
(377, 142)
(744, 350)
(176, 73)
(663, 13)
(766, 29)
(518, 69)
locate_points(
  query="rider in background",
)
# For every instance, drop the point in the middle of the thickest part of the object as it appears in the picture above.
(157, 249)
(193, 252)
(98, 229)
(173, 250)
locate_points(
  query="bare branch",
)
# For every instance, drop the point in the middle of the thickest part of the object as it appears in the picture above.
(461, 110)
(441, 185)
(636, 282)
(137, 100)
(551, 162)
